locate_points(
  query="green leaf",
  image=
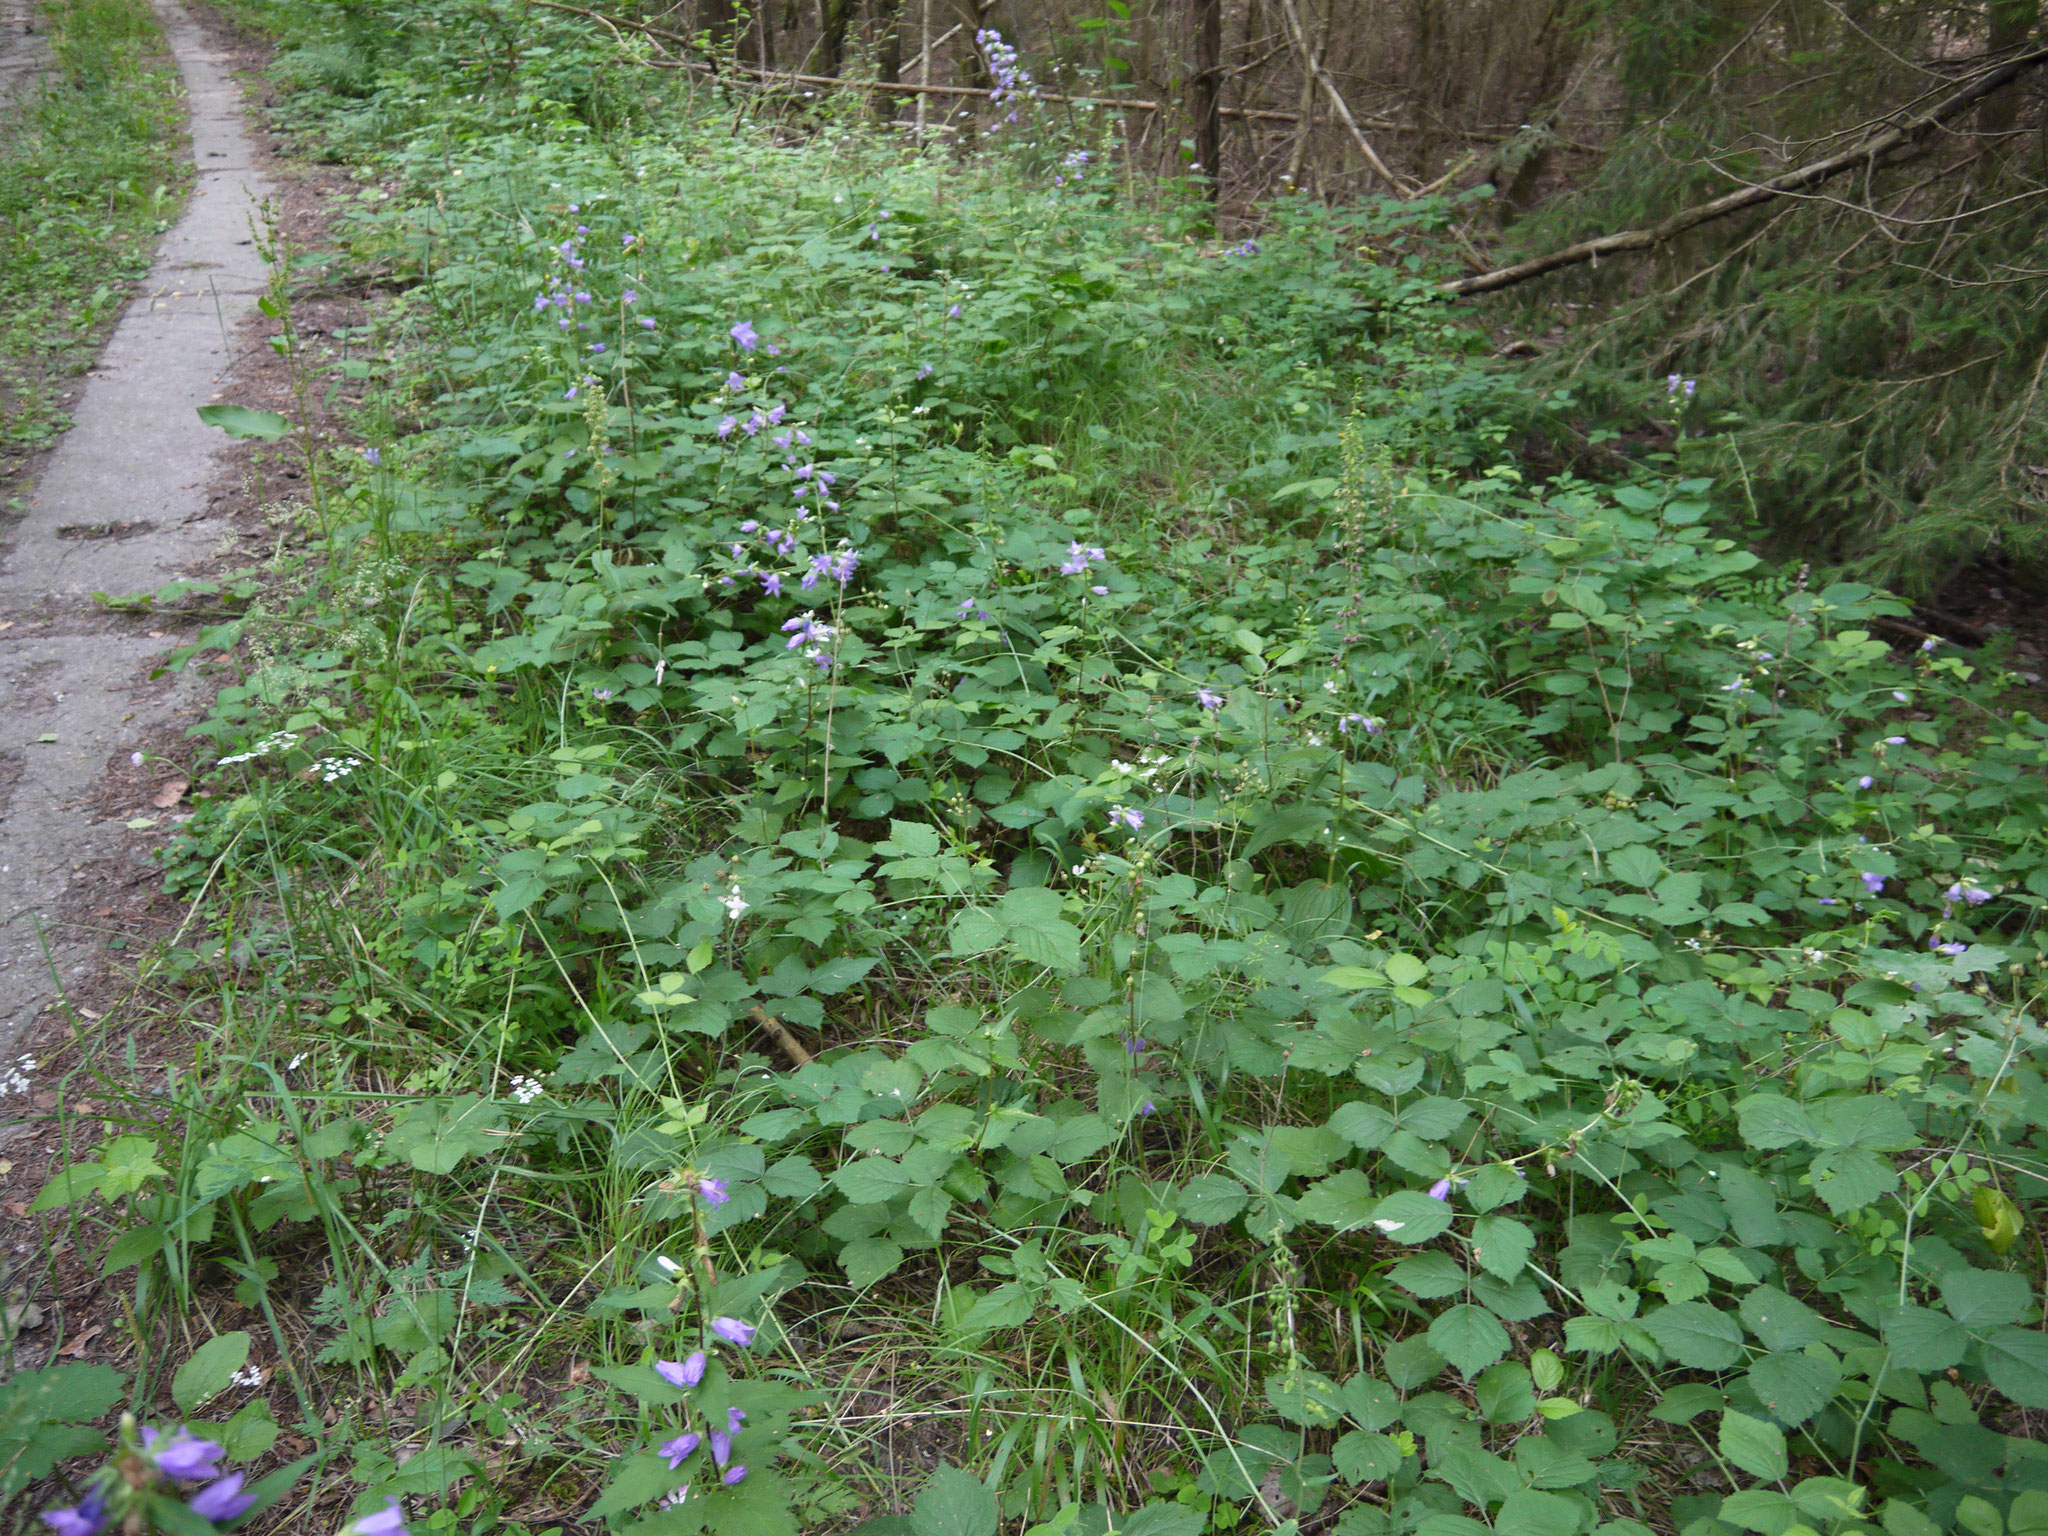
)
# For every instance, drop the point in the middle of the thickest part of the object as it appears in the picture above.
(1984, 1298)
(1502, 1245)
(1754, 1446)
(210, 1371)
(1365, 1457)
(1470, 1337)
(953, 1503)
(1770, 1120)
(1211, 1198)
(1371, 1403)
(1781, 1321)
(869, 1259)
(1434, 1118)
(793, 1178)
(67, 1186)
(872, 1180)
(242, 421)
(1364, 1125)
(1159, 1519)
(1794, 1387)
(250, 1433)
(1055, 944)
(1432, 1276)
(1696, 1336)
(1852, 1178)
(1763, 1510)
(1526, 1512)
(2017, 1361)
(1342, 1200)
(1922, 1339)
(1410, 1216)
(130, 1163)
(1684, 1403)
(1505, 1393)
(437, 1135)
(636, 1480)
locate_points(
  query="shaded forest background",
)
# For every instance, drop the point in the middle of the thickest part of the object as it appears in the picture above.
(1870, 348)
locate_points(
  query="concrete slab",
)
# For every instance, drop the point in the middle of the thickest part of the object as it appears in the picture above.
(138, 455)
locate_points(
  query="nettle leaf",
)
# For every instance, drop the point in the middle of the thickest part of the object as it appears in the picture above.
(1781, 1321)
(1432, 1119)
(1502, 1245)
(1342, 1200)
(1410, 1216)
(872, 1180)
(436, 1135)
(954, 1503)
(1696, 1335)
(2016, 1359)
(1923, 1339)
(1754, 1446)
(1363, 1456)
(1527, 1512)
(1210, 1198)
(1431, 1276)
(1794, 1387)
(1371, 1403)
(1985, 1298)
(1364, 1125)
(1770, 1120)
(1470, 1337)
(1850, 1179)
(869, 1259)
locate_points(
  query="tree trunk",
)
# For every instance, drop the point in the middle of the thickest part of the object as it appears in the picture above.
(2012, 23)
(833, 16)
(1205, 91)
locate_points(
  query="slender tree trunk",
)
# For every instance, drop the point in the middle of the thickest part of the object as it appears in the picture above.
(2012, 23)
(833, 16)
(1205, 91)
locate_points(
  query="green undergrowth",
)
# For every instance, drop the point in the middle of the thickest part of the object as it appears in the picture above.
(91, 172)
(1011, 823)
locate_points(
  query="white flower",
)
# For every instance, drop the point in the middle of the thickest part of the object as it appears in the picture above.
(15, 1079)
(1388, 1226)
(668, 1263)
(1329, 685)
(334, 769)
(247, 1376)
(525, 1090)
(734, 904)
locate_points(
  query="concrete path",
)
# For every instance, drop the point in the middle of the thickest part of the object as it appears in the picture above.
(137, 462)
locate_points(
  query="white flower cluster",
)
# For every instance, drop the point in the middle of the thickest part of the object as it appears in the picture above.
(247, 1376)
(734, 903)
(279, 741)
(526, 1089)
(332, 769)
(1147, 766)
(15, 1078)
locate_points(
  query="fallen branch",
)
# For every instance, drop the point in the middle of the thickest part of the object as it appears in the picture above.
(1868, 153)
(1306, 45)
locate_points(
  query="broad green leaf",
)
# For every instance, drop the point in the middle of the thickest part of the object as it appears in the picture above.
(1344, 1200)
(1794, 1387)
(1526, 1512)
(1470, 1337)
(1505, 1393)
(953, 1503)
(1431, 1276)
(1696, 1335)
(1984, 1298)
(1754, 1446)
(1410, 1216)
(1922, 1339)
(1159, 1519)
(1502, 1245)
(2017, 1361)
(1210, 1198)
(1371, 1403)
(1781, 1321)
(1770, 1120)
(1434, 1118)
(869, 1259)
(1363, 1456)
(1852, 1178)
(872, 1180)
(436, 1135)
(245, 422)
(210, 1371)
